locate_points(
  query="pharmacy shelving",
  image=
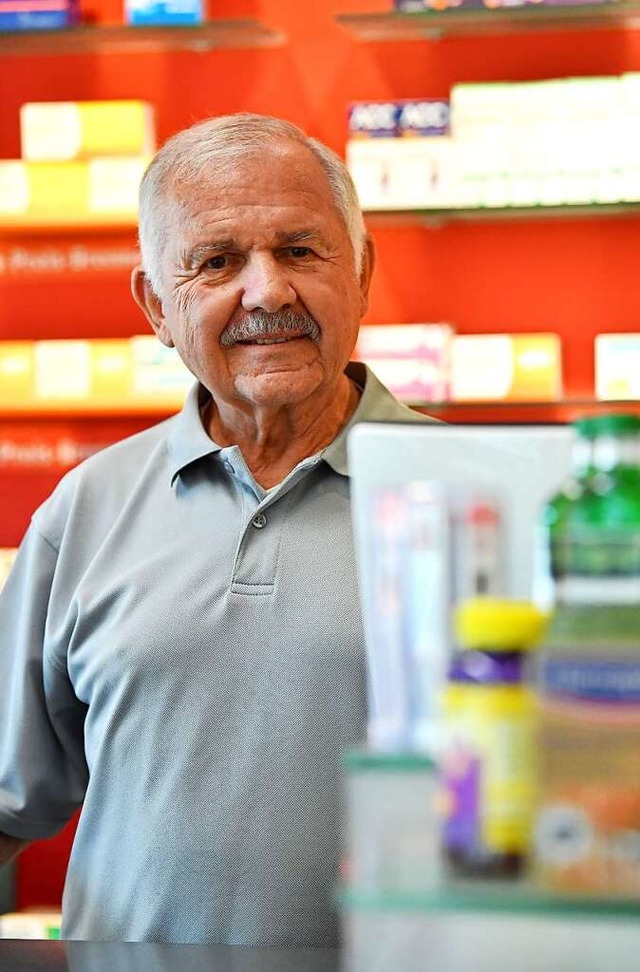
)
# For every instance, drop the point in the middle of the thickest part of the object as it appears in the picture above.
(436, 217)
(528, 412)
(125, 39)
(436, 24)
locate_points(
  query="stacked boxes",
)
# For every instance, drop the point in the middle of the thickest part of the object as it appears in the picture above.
(115, 374)
(572, 141)
(400, 154)
(81, 164)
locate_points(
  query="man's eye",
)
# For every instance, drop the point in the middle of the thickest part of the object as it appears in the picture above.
(216, 262)
(300, 251)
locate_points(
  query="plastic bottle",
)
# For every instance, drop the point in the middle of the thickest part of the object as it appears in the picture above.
(551, 547)
(588, 827)
(488, 765)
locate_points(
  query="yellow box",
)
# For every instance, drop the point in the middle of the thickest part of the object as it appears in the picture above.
(101, 191)
(16, 373)
(69, 130)
(506, 367)
(111, 371)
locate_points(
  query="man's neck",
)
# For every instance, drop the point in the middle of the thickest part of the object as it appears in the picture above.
(274, 441)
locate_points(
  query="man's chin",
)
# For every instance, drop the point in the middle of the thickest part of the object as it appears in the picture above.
(278, 389)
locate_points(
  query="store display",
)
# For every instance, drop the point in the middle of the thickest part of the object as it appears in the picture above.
(503, 367)
(488, 763)
(567, 141)
(38, 14)
(71, 130)
(588, 828)
(96, 375)
(412, 360)
(617, 365)
(60, 181)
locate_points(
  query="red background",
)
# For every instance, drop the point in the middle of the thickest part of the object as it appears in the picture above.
(576, 276)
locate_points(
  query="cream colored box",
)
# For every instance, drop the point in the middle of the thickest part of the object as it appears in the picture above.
(68, 130)
(499, 367)
(412, 173)
(617, 366)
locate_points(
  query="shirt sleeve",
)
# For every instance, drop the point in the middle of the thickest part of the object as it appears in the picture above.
(43, 771)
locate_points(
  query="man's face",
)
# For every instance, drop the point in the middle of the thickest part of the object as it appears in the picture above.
(260, 293)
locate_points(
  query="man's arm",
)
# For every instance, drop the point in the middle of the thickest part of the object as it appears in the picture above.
(10, 846)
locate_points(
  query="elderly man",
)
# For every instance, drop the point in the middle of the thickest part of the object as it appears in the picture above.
(182, 650)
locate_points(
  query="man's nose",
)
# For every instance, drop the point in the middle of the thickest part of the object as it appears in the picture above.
(266, 285)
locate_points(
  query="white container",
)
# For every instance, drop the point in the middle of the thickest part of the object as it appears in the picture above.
(392, 825)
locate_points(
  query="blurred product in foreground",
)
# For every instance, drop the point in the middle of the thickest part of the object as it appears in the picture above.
(488, 765)
(428, 547)
(392, 823)
(588, 828)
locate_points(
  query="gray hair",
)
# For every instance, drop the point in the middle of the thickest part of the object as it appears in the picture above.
(184, 157)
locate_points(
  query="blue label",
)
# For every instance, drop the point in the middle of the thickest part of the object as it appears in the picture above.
(596, 681)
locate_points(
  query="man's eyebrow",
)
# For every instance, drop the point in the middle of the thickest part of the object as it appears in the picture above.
(198, 254)
(299, 236)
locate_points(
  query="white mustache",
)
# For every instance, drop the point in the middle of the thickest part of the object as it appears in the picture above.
(260, 324)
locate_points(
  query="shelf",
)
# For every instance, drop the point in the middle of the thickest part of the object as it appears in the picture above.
(126, 39)
(534, 412)
(502, 898)
(437, 217)
(566, 410)
(92, 228)
(435, 24)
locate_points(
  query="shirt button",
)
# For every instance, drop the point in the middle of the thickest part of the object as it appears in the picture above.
(228, 466)
(259, 521)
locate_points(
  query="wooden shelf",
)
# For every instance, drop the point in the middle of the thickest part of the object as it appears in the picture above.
(460, 21)
(437, 217)
(566, 410)
(126, 39)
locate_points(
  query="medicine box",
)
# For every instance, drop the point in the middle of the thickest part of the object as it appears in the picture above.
(393, 119)
(183, 12)
(70, 130)
(412, 360)
(37, 14)
(100, 190)
(617, 366)
(503, 367)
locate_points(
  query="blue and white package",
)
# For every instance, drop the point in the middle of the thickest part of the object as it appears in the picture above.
(164, 12)
(373, 119)
(37, 14)
(392, 119)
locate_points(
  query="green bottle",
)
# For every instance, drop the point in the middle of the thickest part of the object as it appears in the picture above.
(588, 682)
(551, 550)
(595, 541)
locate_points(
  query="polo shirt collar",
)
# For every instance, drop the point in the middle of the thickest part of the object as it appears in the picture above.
(188, 441)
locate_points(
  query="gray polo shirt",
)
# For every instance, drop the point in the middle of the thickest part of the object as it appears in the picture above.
(182, 653)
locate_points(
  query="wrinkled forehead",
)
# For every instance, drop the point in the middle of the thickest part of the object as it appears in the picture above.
(282, 172)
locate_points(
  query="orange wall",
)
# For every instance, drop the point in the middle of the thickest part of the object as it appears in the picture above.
(574, 276)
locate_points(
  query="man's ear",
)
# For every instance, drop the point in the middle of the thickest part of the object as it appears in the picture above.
(368, 263)
(150, 304)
